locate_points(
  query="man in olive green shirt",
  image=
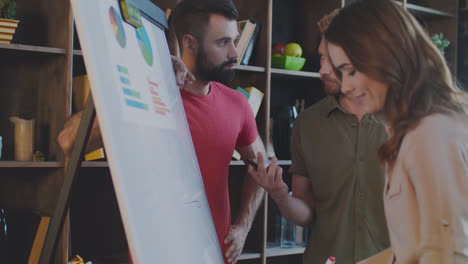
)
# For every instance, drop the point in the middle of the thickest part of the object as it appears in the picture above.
(337, 180)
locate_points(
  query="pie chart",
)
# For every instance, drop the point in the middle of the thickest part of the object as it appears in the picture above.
(117, 27)
(145, 45)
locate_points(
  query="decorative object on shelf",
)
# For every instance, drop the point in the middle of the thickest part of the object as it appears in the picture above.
(8, 24)
(441, 42)
(38, 156)
(0, 147)
(302, 236)
(287, 62)
(293, 49)
(24, 138)
(282, 131)
(287, 57)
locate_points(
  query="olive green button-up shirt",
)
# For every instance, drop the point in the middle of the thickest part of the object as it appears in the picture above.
(338, 154)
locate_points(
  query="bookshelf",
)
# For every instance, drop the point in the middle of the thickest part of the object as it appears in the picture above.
(37, 70)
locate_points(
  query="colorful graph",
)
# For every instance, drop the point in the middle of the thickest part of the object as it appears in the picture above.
(145, 45)
(132, 97)
(160, 107)
(117, 27)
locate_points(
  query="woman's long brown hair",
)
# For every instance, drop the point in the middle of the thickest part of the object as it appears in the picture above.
(386, 43)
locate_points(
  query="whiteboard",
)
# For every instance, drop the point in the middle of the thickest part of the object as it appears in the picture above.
(151, 157)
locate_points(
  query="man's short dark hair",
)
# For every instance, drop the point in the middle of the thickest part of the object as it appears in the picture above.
(192, 16)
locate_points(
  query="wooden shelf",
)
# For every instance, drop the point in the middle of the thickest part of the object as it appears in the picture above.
(241, 163)
(424, 11)
(31, 164)
(281, 72)
(89, 164)
(277, 251)
(273, 252)
(50, 164)
(77, 52)
(236, 163)
(94, 164)
(38, 49)
(249, 68)
(249, 255)
(284, 162)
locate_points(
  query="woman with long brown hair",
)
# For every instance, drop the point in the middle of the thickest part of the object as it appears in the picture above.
(388, 63)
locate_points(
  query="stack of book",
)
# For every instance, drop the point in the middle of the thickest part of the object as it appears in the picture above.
(248, 33)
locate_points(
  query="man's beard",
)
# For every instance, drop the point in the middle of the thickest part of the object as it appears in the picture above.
(331, 86)
(208, 72)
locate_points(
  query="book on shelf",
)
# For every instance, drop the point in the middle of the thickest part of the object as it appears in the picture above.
(6, 36)
(9, 23)
(6, 30)
(245, 59)
(39, 240)
(81, 89)
(95, 155)
(246, 29)
(255, 98)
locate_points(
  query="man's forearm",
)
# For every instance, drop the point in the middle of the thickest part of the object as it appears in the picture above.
(295, 209)
(252, 196)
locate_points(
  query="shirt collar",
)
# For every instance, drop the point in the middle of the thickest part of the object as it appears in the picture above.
(331, 104)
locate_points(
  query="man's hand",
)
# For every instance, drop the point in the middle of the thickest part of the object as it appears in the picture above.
(183, 76)
(270, 178)
(235, 239)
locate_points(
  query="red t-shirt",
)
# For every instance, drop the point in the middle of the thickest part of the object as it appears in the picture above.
(219, 122)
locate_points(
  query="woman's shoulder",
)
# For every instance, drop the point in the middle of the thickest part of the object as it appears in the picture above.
(437, 129)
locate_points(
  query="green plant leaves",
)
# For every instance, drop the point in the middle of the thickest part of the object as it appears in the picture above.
(440, 41)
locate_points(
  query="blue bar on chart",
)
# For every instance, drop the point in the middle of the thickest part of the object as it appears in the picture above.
(131, 93)
(136, 104)
(122, 69)
(124, 80)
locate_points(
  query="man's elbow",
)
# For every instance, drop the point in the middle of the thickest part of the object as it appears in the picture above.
(65, 141)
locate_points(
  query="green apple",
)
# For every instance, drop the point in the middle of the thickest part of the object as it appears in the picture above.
(293, 49)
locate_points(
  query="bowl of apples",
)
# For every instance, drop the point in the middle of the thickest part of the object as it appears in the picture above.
(287, 56)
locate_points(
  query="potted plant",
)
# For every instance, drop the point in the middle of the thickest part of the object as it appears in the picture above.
(441, 42)
(8, 24)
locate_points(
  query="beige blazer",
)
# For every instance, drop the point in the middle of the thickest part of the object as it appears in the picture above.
(426, 195)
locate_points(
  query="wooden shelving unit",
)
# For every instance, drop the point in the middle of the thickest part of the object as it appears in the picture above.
(37, 70)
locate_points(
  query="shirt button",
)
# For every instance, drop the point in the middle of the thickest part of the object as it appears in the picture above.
(445, 223)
